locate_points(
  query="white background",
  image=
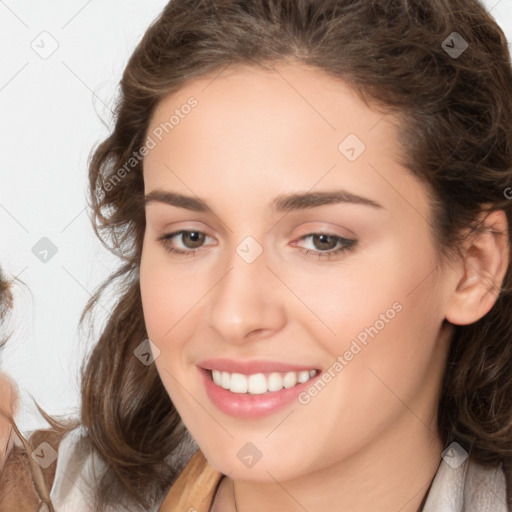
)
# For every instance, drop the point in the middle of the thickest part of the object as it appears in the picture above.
(51, 117)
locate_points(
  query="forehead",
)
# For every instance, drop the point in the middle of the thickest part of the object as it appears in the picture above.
(293, 97)
(289, 127)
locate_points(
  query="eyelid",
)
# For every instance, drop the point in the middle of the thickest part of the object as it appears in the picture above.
(327, 228)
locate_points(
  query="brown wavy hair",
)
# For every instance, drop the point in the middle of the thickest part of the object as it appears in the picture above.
(456, 137)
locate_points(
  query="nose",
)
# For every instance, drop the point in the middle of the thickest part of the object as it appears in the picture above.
(248, 301)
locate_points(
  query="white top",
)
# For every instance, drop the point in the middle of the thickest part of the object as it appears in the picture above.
(458, 486)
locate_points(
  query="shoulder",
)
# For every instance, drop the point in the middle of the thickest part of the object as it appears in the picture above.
(76, 472)
(467, 487)
(62, 469)
(79, 469)
(66, 470)
(486, 486)
(24, 479)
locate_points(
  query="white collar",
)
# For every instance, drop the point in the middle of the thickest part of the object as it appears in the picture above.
(468, 487)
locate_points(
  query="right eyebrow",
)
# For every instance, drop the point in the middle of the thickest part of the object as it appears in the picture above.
(178, 200)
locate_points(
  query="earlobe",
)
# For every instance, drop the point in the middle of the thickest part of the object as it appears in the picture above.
(485, 262)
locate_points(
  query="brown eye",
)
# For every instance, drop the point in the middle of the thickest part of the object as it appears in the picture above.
(324, 242)
(326, 245)
(192, 239)
(184, 242)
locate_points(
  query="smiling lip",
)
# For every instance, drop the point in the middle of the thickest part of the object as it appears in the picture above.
(250, 367)
(247, 405)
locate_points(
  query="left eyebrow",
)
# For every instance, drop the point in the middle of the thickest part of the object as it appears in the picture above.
(282, 203)
(290, 202)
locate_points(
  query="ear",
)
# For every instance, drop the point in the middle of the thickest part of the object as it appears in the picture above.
(483, 268)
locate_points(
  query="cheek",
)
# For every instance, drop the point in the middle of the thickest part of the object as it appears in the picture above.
(389, 288)
(167, 293)
(377, 366)
(380, 322)
(173, 296)
(163, 305)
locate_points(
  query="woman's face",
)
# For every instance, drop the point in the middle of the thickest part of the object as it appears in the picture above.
(280, 170)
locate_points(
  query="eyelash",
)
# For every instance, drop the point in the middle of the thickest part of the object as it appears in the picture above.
(347, 246)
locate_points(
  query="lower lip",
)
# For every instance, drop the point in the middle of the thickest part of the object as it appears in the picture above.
(248, 406)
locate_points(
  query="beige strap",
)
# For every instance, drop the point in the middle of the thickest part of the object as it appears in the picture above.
(195, 487)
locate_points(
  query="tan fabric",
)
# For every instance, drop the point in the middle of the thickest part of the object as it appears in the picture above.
(195, 488)
(17, 487)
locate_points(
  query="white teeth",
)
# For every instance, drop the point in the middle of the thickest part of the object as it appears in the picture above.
(238, 383)
(304, 376)
(275, 382)
(258, 383)
(290, 379)
(216, 375)
(226, 380)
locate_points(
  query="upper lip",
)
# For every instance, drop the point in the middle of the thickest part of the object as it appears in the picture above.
(252, 366)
